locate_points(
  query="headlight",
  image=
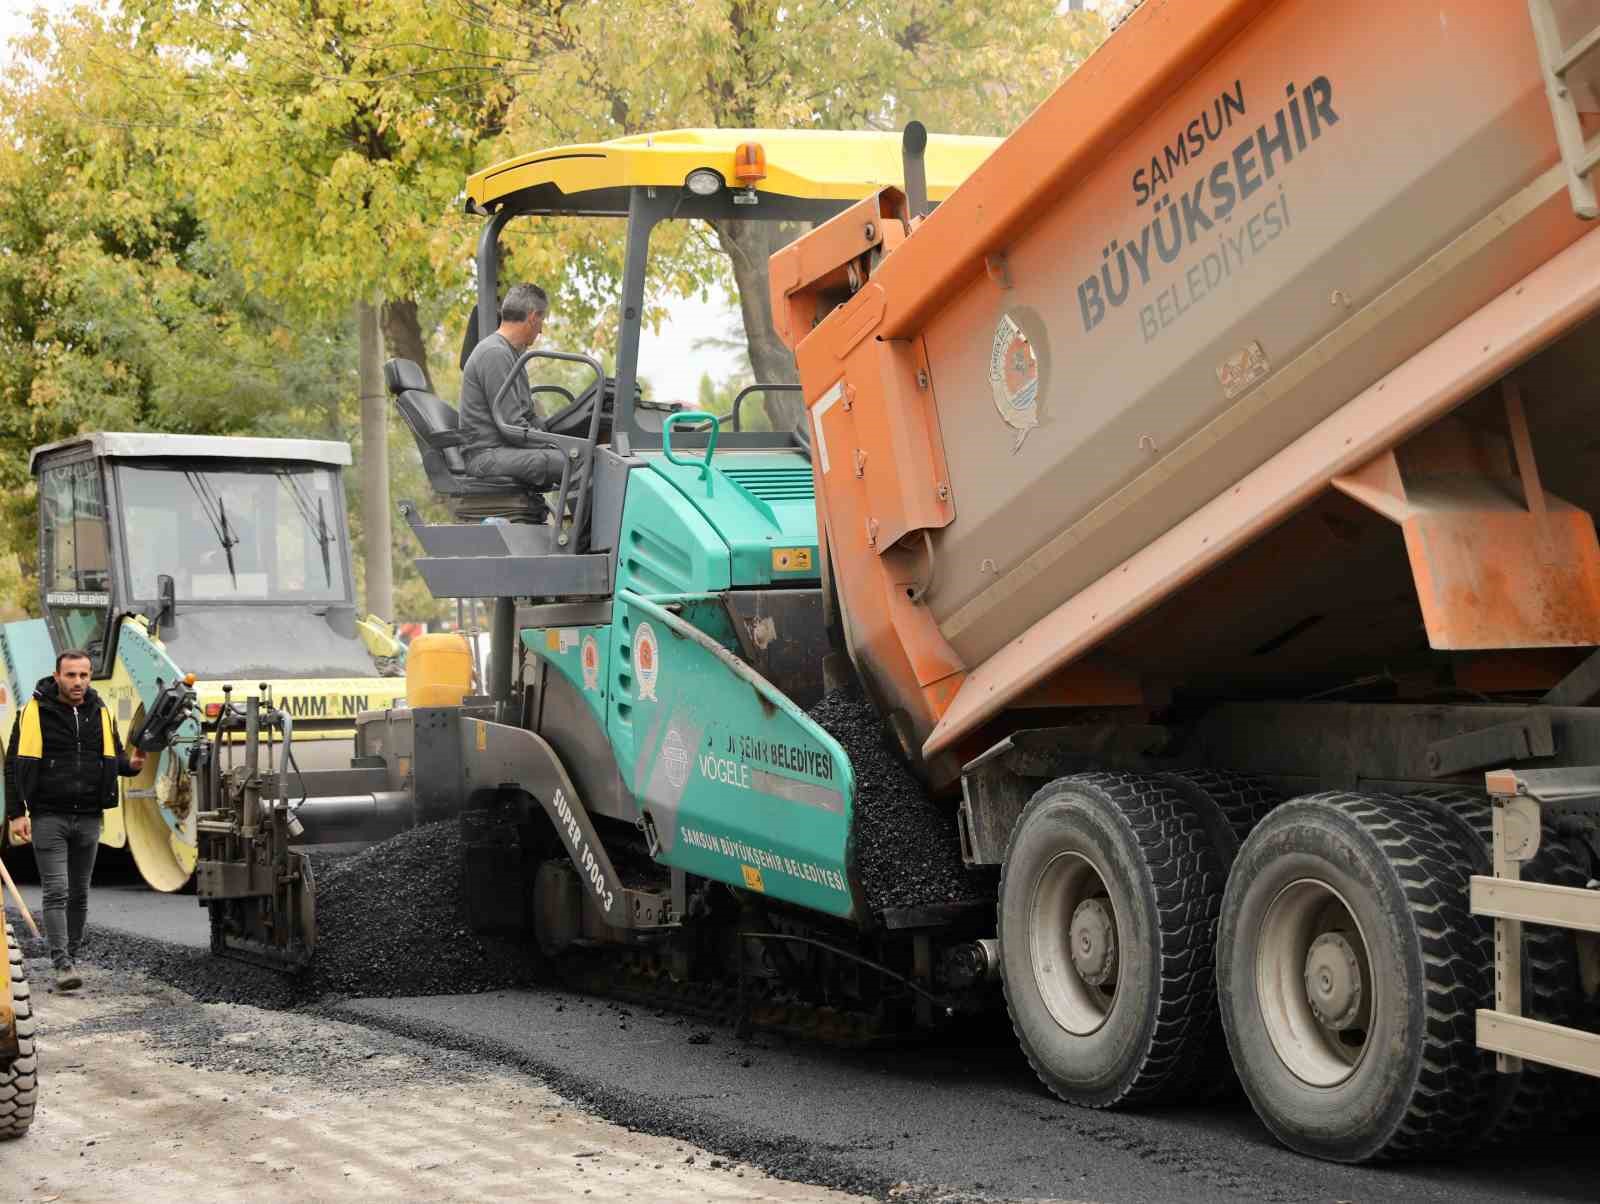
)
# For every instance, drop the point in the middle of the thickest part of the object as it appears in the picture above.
(703, 181)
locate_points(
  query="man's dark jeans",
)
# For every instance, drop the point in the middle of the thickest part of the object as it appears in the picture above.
(539, 468)
(65, 846)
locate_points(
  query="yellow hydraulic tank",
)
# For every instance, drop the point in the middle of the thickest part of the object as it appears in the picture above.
(438, 670)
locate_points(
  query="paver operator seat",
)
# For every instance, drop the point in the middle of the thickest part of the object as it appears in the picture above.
(436, 426)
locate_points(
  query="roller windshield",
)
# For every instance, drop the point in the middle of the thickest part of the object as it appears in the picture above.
(224, 533)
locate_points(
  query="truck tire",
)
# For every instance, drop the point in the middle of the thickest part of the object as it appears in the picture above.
(1230, 805)
(19, 1082)
(1538, 1099)
(1349, 973)
(1244, 801)
(1109, 894)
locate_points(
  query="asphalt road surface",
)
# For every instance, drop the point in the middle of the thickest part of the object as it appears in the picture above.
(968, 1121)
(148, 1095)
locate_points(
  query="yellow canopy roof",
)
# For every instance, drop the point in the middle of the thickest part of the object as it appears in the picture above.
(813, 164)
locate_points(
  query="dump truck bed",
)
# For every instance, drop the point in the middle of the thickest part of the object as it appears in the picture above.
(1232, 220)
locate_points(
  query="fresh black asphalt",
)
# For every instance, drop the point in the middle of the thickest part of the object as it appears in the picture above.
(955, 1120)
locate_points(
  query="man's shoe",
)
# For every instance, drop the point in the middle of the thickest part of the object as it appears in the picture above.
(68, 980)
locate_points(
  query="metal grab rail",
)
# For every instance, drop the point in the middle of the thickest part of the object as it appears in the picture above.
(1558, 60)
(683, 418)
(578, 453)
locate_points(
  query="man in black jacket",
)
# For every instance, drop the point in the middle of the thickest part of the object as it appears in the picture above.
(62, 765)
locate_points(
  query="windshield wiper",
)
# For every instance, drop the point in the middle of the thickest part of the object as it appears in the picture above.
(325, 539)
(319, 525)
(217, 515)
(228, 540)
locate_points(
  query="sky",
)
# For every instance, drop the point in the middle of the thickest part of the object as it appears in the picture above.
(670, 360)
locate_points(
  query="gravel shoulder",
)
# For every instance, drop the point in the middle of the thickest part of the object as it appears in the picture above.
(149, 1095)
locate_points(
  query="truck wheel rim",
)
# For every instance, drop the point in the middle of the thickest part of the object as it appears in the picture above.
(1074, 939)
(1314, 982)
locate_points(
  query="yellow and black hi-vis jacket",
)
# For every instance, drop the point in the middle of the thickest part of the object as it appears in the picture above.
(62, 757)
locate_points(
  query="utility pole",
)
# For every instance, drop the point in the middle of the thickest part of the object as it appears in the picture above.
(375, 518)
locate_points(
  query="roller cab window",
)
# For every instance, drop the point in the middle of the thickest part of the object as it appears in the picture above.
(75, 564)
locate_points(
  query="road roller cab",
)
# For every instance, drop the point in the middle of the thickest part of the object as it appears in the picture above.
(225, 558)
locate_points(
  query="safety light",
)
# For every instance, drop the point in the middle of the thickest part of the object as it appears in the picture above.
(749, 164)
(213, 709)
(703, 181)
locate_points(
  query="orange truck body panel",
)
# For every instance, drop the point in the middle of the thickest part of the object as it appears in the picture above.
(1248, 248)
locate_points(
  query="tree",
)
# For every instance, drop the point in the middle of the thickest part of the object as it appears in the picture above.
(324, 141)
(118, 310)
(353, 124)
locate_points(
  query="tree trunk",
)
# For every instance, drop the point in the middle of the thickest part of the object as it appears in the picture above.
(375, 523)
(402, 334)
(748, 246)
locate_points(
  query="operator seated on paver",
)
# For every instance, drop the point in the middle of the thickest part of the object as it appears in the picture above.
(488, 449)
(62, 764)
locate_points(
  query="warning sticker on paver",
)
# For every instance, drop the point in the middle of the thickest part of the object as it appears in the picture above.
(591, 663)
(646, 660)
(791, 560)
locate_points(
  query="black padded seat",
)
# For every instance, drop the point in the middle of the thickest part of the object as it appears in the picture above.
(436, 427)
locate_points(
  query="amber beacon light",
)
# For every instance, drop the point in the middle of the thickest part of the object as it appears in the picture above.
(749, 164)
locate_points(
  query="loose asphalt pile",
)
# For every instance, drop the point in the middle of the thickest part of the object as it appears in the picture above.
(391, 921)
(905, 845)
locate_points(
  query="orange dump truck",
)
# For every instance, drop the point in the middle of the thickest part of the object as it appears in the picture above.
(1207, 488)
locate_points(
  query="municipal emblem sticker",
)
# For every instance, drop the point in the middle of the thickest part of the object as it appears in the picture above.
(675, 757)
(646, 660)
(1014, 377)
(590, 658)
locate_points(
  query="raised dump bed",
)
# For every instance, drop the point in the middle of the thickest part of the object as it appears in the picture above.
(1232, 220)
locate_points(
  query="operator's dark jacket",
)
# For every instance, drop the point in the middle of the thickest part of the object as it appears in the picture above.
(61, 757)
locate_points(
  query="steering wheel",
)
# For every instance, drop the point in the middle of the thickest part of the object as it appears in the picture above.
(567, 393)
(573, 419)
